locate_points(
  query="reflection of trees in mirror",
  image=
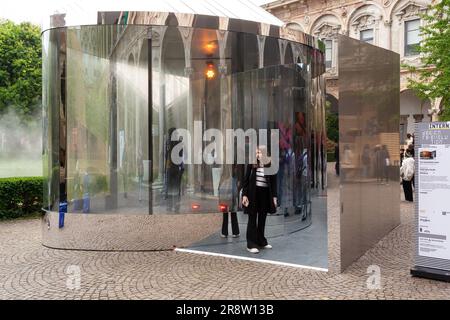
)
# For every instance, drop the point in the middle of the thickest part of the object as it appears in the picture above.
(332, 127)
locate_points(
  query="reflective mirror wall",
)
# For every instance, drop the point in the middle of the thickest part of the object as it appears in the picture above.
(133, 120)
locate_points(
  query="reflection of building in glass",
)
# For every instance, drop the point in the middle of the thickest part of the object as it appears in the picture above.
(390, 24)
(115, 91)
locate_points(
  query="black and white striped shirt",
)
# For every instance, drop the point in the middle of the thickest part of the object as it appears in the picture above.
(260, 179)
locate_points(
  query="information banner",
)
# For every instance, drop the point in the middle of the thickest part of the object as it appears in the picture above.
(433, 195)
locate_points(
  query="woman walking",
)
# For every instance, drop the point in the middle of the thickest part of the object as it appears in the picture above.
(407, 174)
(259, 197)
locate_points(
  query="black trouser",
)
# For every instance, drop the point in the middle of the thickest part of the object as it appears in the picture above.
(407, 189)
(257, 220)
(255, 230)
(234, 223)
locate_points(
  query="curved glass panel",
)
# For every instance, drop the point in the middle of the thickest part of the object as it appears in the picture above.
(276, 98)
(123, 103)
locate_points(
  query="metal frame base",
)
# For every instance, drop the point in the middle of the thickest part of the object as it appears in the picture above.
(430, 273)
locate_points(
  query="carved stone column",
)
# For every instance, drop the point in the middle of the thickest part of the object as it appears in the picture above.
(404, 119)
(261, 43)
(388, 25)
(158, 63)
(188, 72)
(186, 34)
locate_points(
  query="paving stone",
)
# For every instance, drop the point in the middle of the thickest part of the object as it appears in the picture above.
(30, 271)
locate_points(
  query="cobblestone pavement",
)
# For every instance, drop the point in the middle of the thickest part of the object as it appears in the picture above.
(30, 271)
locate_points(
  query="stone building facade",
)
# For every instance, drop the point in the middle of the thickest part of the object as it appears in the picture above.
(391, 24)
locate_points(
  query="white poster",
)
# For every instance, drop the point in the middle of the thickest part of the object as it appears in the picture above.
(434, 201)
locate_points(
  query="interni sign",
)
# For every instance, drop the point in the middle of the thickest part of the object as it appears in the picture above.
(439, 125)
(432, 182)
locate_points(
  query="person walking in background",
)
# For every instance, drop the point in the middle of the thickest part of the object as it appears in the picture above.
(409, 140)
(407, 174)
(259, 197)
(411, 151)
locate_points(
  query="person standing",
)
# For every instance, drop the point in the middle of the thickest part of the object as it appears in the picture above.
(407, 174)
(259, 197)
(173, 175)
(365, 161)
(230, 209)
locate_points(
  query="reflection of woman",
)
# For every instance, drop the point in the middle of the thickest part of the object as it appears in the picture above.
(259, 197)
(233, 208)
(173, 173)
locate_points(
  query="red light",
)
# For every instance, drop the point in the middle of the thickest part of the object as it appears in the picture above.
(210, 72)
(195, 206)
(223, 208)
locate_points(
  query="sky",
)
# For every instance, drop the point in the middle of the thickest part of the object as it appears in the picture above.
(33, 10)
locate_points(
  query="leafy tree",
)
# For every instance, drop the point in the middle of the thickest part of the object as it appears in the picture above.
(20, 69)
(433, 79)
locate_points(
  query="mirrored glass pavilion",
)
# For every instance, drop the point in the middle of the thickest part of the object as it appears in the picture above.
(118, 83)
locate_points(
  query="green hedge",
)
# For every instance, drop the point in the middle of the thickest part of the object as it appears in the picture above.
(20, 196)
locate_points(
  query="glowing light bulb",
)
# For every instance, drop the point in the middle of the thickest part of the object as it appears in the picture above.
(210, 73)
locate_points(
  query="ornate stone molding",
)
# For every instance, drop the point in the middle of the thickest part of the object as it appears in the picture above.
(326, 30)
(415, 60)
(387, 3)
(364, 22)
(411, 10)
(190, 20)
(306, 20)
